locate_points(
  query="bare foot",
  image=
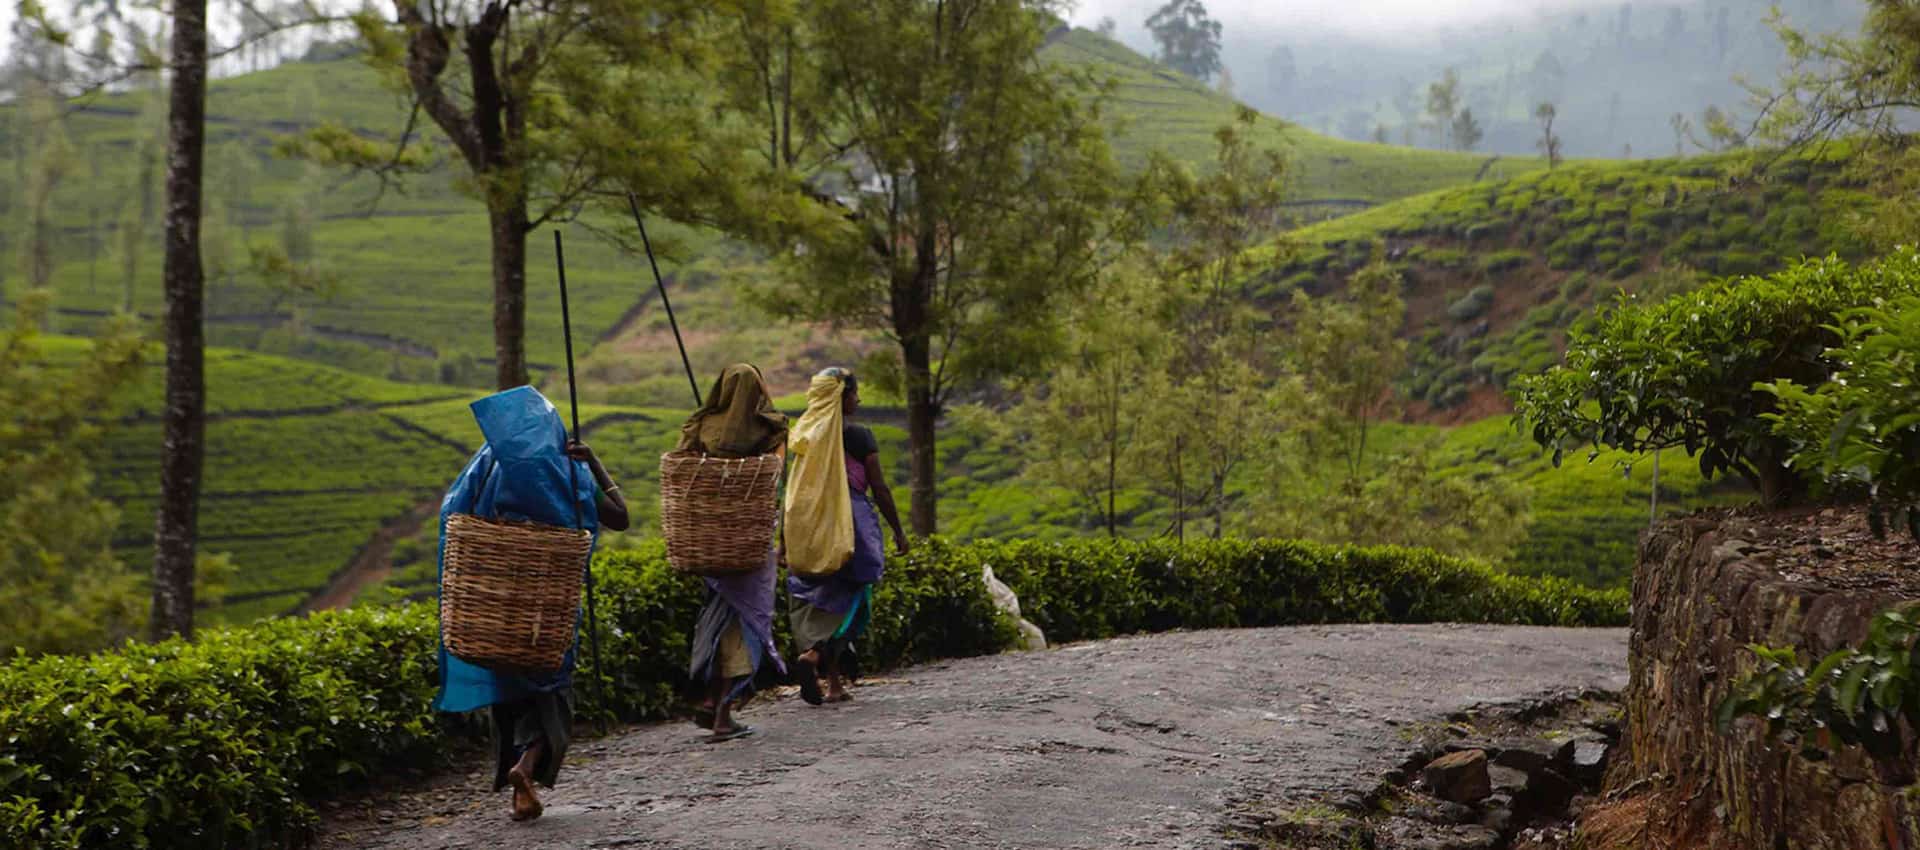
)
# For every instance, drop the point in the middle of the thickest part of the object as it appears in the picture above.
(526, 804)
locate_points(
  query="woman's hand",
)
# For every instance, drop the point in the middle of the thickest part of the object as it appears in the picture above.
(901, 545)
(580, 451)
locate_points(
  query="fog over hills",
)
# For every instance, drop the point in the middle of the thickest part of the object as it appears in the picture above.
(1617, 72)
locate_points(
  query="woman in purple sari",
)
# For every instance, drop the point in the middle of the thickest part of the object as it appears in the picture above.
(831, 612)
(734, 635)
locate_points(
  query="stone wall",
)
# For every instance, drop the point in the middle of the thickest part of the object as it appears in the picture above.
(1706, 587)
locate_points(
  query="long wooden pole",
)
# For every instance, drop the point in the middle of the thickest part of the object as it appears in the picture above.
(573, 469)
(634, 204)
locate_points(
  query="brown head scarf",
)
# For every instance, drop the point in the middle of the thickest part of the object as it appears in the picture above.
(738, 419)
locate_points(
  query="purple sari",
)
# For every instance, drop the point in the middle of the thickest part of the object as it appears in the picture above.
(837, 593)
(746, 598)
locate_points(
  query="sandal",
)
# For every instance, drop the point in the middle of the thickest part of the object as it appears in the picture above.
(740, 731)
(703, 716)
(843, 696)
(809, 677)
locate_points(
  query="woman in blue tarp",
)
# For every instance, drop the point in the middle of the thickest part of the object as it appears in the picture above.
(524, 473)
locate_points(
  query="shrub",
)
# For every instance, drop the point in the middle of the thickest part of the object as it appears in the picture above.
(1857, 697)
(1085, 590)
(221, 742)
(1859, 433)
(1505, 260)
(1682, 372)
(1472, 305)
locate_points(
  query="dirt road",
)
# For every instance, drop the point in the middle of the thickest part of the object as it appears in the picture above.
(1136, 742)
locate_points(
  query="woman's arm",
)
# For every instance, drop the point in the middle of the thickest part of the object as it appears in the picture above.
(610, 505)
(883, 499)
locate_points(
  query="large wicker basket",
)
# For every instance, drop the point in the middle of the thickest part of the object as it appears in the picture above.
(510, 592)
(718, 514)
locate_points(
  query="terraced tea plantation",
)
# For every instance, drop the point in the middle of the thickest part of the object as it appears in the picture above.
(304, 464)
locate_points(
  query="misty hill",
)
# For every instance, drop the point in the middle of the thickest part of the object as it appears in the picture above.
(1617, 72)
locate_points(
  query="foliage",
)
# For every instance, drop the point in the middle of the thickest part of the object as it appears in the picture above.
(1086, 590)
(1549, 143)
(1081, 430)
(218, 742)
(1212, 390)
(1860, 431)
(1188, 37)
(1332, 481)
(1682, 372)
(1864, 696)
(977, 183)
(1859, 87)
(60, 583)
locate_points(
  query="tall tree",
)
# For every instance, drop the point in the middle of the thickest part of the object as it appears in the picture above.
(1547, 81)
(524, 90)
(1082, 428)
(62, 587)
(1282, 75)
(968, 177)
(50, 160)
(184, 422)
(1188, 37)
(1443, 106)
(1860, 85)
(1682, 127)
(1549, 143)
(1214, 221)
(1466, 131)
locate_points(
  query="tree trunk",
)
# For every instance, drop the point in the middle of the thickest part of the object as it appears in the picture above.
(921, 413)
(509, 232)
(184, 421)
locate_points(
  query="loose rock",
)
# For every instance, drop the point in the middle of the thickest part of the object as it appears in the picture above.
(1459, 777)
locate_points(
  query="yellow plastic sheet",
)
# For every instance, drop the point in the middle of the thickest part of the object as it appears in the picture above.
(819, 509)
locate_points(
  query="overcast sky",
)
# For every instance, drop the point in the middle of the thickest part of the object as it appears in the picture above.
(1385, 19)
(1389, 18)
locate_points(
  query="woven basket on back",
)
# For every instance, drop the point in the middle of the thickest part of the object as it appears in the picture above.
(718, 514)
(510, 592)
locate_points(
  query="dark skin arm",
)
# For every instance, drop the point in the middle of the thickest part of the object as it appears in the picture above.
(883, 499)
(611, 506)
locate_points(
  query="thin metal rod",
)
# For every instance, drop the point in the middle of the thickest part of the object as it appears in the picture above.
(634, 204)
(573, 473)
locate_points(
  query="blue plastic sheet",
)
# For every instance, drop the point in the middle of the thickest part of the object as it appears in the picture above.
(522, 473)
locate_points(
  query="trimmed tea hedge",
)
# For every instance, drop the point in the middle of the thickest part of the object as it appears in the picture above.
(221, 742)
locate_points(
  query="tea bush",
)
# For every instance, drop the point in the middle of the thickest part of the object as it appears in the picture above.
(223, 741)
(1859, 434)
(1682, 372)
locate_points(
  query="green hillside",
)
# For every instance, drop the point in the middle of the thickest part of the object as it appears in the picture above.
(304, 464)
(317, 474)
(412, 296)
(1497, 272)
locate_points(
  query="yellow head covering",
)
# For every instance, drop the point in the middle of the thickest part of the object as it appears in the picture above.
(819, 510)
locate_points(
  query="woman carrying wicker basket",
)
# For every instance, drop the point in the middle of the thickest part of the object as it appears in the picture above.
(831, 537)
(527, 476)
(733, 638)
